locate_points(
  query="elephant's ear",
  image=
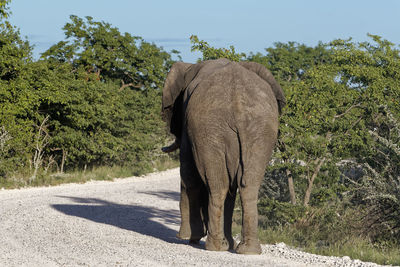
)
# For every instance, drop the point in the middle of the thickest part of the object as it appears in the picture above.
(174, 84)
(266, 75)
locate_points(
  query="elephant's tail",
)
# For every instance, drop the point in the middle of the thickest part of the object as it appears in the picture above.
(243, 160)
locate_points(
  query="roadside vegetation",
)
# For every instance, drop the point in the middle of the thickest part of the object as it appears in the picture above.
(89, 108)
(91, 101)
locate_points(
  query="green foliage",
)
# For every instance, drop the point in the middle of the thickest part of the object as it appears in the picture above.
(290, 61)
(334, 97)
(122, 59)
(104, 121)
(273, 213)
(15, 100)
(4, 9)
(379, 188)
(210, 52)
(100, 91)
(275, 185)
(343, 107)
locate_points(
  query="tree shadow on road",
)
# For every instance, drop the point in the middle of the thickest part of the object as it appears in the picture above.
(141, 219)
(164, 194)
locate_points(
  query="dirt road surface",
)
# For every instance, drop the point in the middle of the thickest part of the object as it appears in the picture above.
(128, 222)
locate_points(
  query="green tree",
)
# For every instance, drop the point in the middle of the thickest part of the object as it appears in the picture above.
(333, 100)
(110, 113)
(379, 188)
(4, 9)
(16, 100)
(291, 61)
(122, 59)
(91, 100)
(210, 52)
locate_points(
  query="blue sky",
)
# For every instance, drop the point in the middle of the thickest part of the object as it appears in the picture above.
(249, 25)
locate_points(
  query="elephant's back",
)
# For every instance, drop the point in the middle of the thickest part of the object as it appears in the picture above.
(228, 94)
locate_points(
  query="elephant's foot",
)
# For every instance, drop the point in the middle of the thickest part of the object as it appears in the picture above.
(216, 244)
(248, 247)
(185, 234)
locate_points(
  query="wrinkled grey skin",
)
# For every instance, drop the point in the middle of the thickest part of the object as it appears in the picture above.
(225, 117)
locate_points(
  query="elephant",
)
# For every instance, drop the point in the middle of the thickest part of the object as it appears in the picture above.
(225, 118)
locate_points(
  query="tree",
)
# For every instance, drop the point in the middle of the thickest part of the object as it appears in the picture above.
(331, 107)
(210, 52)
(98, 92)
(379, 188)
(110, 111)
(41, 141)
(291, 61)
(99, 48)
(4, 13)
(16, 100)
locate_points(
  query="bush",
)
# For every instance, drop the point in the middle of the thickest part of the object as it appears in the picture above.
(275, 213)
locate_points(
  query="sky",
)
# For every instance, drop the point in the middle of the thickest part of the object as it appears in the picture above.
(248, 25)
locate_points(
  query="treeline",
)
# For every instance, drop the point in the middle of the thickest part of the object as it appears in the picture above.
(340, 145)
(90, 100)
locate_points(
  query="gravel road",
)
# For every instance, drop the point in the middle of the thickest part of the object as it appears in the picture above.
(128, 222)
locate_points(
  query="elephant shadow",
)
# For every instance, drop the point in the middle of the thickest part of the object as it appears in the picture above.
(144, 220)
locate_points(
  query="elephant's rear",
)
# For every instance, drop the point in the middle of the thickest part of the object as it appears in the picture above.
(232, 119)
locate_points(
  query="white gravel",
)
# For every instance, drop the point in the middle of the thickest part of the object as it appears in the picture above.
(128, 222)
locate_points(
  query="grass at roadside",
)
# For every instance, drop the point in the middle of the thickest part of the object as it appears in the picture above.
(105, 173)
(355, 248)
(307, 238)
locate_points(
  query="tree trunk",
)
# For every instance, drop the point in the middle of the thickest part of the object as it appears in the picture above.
(64, 155)
(291, 187)
(41, 141)
(311, 181)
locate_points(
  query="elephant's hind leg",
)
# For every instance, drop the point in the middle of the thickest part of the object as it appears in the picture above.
(249, 243)
(254, 170)
(216, 239)
(216, 177)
